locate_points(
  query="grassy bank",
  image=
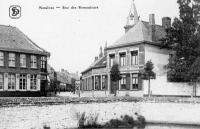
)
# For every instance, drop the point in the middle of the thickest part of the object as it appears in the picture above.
(29, 101)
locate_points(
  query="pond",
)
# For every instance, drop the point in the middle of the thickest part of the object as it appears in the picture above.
(168, 126)
(66, 116)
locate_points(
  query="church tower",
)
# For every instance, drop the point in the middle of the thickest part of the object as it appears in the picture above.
(132, 18)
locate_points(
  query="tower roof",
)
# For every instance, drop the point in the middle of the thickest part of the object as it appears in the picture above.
(139, 33)
(132, 17)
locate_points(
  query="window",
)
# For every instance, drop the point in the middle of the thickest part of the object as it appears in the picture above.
(111, 61)
(104, 82)
(1, 59)
(134, 58)
(122, 59)
(11, 81)
(43, 62)
(1, 81)
(134, 81)
(22, 82)
(22, 60)
(33, 61)
(33, 82)
(97, 83)
(11, 60)
(123, 82)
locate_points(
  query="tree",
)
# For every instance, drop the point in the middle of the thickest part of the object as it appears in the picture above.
(115, 75)
(148, 74)
(194, 74)
(184, 39)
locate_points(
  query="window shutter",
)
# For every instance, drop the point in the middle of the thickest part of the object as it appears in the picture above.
(38, 82)
(128, 82)
(93, 82)
(140, 83)
(106, 82)
(5, 81)
(17, 81)
(28, 82)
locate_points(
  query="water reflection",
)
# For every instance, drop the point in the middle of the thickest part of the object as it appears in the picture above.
(168, 126)
(65, 116)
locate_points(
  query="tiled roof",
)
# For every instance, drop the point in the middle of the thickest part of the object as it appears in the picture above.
(63, 78)
(101, 62)
(139, 33)
(12, 39)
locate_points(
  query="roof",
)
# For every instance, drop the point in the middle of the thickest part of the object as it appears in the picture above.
(101, 62)
(141, 32)
(12, 39)
(63, 78)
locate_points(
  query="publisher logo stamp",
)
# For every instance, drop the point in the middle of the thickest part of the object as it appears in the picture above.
(15, 11)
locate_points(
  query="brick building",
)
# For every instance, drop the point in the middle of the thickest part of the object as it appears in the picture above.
(140, 43)
(23, 64)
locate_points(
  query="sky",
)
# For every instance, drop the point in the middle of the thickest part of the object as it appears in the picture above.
(74, 36)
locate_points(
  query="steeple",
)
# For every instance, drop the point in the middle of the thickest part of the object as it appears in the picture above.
(101, 52)
(105, 47)
(132, 17)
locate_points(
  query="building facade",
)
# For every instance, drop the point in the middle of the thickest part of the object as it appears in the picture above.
(23, 64)
(140, 43)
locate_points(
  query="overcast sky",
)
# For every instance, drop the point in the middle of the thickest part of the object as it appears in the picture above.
(74, 37)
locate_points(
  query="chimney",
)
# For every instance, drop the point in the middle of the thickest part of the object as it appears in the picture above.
(152, 26)
(166, 22)
(152, 19)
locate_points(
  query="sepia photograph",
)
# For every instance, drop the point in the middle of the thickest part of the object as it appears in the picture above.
(108, 64)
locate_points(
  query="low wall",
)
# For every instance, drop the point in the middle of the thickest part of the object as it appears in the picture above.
(94, 94)
(160, 86)
(130, 93)
(20, 94)
(107, 93)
